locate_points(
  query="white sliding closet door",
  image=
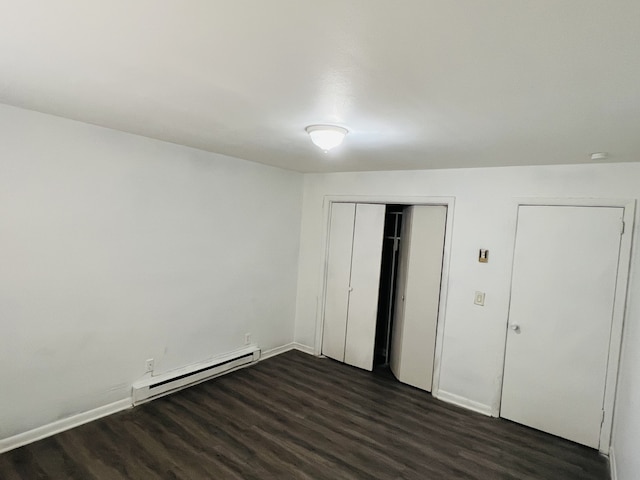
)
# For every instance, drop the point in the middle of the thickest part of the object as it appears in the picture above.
(353, 279)
(365, 283)
(418, 295)
(338, 276)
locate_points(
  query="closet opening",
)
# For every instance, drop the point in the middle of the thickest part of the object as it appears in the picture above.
(381, 300)
(388, 280)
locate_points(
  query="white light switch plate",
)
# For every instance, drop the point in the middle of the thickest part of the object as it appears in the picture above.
(479, 300)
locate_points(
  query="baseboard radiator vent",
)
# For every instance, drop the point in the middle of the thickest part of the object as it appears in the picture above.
(147, 389)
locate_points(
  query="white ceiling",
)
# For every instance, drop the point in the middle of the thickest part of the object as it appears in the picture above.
(419, 83)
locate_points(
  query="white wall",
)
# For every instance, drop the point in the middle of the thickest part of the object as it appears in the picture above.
(116, 248)
(484, 217)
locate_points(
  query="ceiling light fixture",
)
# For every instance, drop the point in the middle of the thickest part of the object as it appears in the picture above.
(326, 137)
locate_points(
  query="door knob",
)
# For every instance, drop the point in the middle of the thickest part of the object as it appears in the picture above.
(515, 328)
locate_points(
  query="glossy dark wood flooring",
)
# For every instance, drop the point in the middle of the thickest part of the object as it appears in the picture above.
(300, 417)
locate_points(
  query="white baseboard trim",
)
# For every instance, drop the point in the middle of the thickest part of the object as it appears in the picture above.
(285, 348)
(304, 348)
(612, 464)
(464, 402)
(276, 351)
(58, 426)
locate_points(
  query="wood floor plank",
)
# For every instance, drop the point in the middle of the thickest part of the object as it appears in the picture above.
(295, 416)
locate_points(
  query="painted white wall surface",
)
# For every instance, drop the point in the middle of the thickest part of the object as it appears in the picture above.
(116, 248)
(484, 216)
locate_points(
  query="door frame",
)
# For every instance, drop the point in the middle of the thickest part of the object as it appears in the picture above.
(619, 304)
(448, 202)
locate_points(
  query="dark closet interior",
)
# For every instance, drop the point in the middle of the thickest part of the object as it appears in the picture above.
(388, 277)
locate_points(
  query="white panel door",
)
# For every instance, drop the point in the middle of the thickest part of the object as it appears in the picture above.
(563, 288)
(338, 275)
(365, 283)
(414, 329)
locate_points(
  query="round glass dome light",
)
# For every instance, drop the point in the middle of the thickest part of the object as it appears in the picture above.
(326, 137)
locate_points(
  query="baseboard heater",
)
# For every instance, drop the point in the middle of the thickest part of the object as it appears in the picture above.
(147, 389)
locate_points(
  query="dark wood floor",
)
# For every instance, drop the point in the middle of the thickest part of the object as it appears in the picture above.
(300, 417)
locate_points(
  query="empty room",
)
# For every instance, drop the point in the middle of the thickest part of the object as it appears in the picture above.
(366, 239)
